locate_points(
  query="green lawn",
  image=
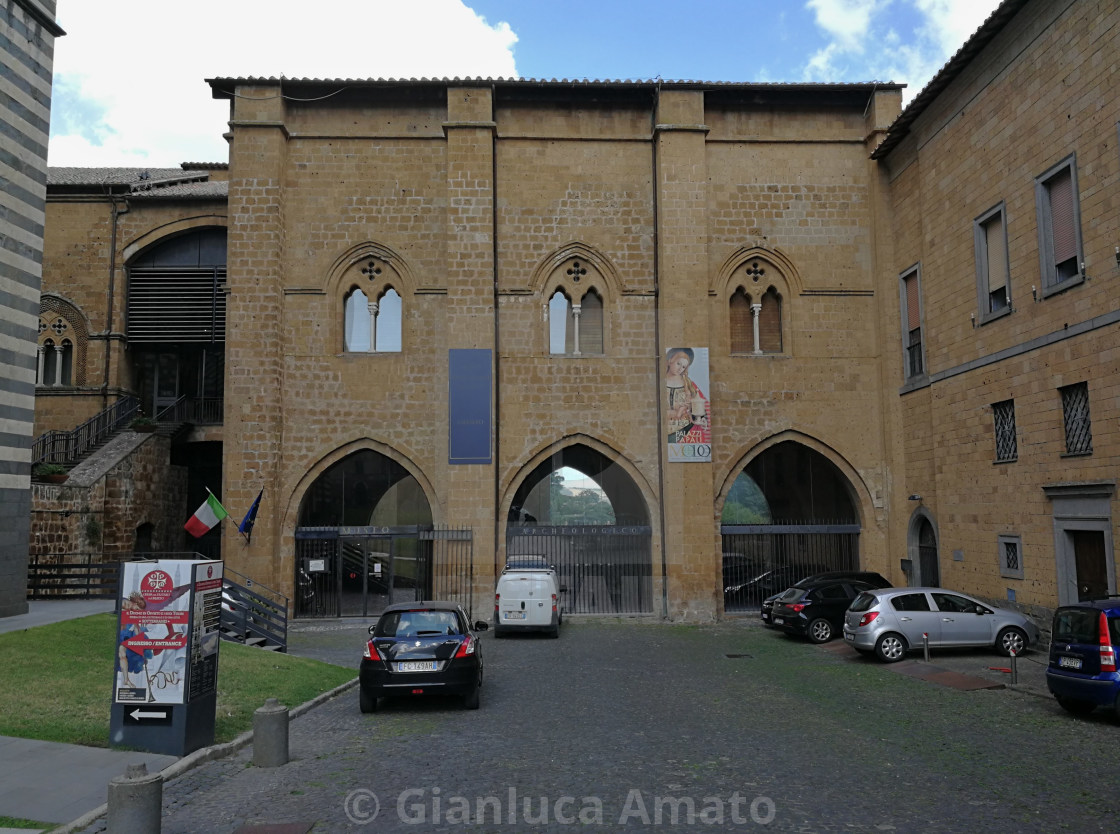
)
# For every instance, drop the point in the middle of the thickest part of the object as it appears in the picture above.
(56, 682)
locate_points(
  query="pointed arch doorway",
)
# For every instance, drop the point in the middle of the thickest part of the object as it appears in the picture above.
(586, 515)
(789, 514)
(366, 540)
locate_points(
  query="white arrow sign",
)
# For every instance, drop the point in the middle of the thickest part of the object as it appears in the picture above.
(139, 716)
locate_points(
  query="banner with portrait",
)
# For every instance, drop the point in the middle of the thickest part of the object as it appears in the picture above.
(688, 412)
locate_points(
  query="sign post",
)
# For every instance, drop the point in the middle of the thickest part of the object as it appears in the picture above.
(165, 680)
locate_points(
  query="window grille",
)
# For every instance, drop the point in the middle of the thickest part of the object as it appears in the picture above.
(912, 324)
(1075, 410)
(1010, 557)
(1006, 444)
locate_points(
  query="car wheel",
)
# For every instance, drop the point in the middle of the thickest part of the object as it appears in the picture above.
(498, 632)
(820, 630)
(367, 701)
(1011, 639)
(1076, 707)
(470, 700)
(890, 648)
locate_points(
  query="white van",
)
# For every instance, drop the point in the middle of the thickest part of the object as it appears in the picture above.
(527, 597)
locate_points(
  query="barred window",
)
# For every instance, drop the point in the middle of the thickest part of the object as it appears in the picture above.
(1010, 557)
(912, 325)
(1075, 412)
(1004, 416)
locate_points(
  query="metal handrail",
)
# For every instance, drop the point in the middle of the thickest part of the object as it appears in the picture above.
(68, 447)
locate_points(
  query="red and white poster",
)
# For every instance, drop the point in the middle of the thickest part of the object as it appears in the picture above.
(152, 632)
(688, 409)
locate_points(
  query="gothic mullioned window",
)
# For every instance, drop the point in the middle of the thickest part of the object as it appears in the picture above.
(56, 352)
(756, 324)
(575, 328)
(372, 326)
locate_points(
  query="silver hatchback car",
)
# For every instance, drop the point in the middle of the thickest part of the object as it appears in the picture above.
(892, 621)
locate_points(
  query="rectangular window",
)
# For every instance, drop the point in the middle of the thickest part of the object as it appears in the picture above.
(1006, 446)
(1010, 557)
(1075, 412)
(992, 272)
(912, 324)
(1059, 227)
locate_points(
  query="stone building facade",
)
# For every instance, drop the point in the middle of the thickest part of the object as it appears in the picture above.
(438, 298)
(28, 30)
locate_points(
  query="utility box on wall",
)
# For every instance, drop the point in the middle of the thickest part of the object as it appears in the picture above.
(165, 681)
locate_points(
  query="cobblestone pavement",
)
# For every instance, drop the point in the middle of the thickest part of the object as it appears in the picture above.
(628, 726)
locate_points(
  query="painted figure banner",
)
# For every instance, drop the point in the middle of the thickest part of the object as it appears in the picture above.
(687, 406)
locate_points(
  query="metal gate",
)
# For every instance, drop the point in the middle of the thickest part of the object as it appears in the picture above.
(358, 571)
(760, 560)
(602, 569)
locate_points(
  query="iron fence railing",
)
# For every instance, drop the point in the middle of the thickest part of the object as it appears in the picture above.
(78, 577)
(252, 612)
(68, 447)
(199, 411)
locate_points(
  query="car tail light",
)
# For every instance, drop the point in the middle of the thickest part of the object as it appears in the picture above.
(466, 648)
(1108, 651)
(371, 652)
(797, 607)
(554, 603)
(867, 618)
(497, 598)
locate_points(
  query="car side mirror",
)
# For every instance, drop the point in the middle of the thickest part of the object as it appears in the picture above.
(981, 610)
(372, 629)
(481, 625)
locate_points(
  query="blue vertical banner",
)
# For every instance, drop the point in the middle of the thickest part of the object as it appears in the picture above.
(470, 383)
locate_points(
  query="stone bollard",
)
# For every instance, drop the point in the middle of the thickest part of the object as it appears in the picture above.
(136, 801)
(270, 734)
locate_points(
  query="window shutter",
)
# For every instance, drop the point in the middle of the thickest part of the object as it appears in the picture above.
(997, 254)
(770, 323)
(591, 324)
(1060, 189)
(913, 311)
(742, 329)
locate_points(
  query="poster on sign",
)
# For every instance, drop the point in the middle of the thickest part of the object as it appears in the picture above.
(152, 632)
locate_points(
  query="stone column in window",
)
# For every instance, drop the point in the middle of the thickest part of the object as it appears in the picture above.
(576, 310)
(42, 365)
(372, 306)
(57, 365)
(756, 309)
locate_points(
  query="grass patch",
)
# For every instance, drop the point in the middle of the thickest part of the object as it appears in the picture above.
(57, 682)
(17, 822)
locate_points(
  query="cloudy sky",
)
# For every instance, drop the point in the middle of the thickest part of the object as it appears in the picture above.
(130, 74)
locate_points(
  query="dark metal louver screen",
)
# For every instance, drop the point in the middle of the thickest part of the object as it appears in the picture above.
(1075, 408)
(1006, 445)
(176, 305)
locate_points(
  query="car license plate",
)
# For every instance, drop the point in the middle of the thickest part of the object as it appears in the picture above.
(515, 615)
(418, 666)
(1069, 662)
(779, 621)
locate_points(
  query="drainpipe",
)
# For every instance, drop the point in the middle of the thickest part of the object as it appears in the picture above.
(119, 208)
(497, 344)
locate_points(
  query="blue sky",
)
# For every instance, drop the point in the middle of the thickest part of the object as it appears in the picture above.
(129, 74)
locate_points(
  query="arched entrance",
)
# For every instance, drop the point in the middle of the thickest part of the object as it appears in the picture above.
(587, 516)
(790, 513)
(365, 540)
(929, 572)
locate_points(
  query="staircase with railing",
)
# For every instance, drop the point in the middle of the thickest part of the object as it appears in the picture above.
(69, 447)
(252, 613)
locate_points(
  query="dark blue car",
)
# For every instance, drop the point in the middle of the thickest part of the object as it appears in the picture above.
(1082, 672)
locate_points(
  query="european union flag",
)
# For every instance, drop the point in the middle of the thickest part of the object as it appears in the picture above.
(246, 525)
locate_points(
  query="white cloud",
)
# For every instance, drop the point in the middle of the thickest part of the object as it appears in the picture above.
(130, 74)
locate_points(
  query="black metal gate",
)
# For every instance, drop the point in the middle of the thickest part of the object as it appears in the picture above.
(760, 560)
(603, 569)
(358, 571)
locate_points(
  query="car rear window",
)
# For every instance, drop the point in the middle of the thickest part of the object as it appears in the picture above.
(417, 623)
(1082, 625)
(863, 602)
(791, 594)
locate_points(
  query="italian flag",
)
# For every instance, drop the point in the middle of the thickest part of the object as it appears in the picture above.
(206, 517)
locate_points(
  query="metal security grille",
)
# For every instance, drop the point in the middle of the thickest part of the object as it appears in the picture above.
(176, 305)
(914, 352)
(358, 571)
(1006, 444)
(1075, 408)
(602, 569)
(760, 560)
(1011, 555)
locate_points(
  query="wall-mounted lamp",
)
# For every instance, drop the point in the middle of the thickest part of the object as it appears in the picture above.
(914, 497)
(1118, 255)
(1034, 292)
(972, 318)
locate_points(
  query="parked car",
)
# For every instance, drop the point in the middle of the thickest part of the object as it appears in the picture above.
(1082, 672)
(421, 648)
(527, 598)
(815, 608)
(747, 587)
(891, 622)
(873, 579)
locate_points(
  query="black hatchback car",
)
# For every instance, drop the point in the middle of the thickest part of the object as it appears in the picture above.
(421, 648)
(875, 580)
(816, 609)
